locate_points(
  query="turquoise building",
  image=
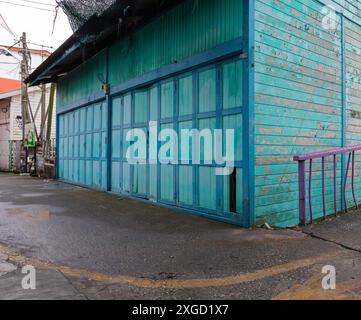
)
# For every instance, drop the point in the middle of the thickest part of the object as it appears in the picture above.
(284, 74)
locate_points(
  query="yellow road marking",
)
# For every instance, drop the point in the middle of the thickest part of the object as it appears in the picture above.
(312, 290)
(169, 283)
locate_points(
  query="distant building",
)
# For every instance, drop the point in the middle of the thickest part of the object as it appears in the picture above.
(10, 100)
(10, 58)
(11, 122)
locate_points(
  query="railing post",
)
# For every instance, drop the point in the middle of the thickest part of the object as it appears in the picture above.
(302, 191)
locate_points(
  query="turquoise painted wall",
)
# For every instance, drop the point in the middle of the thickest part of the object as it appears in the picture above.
(299, 99)
(82, 82)
(353, 90)
(188, 29)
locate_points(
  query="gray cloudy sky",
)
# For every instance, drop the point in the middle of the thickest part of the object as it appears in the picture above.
(36, 18)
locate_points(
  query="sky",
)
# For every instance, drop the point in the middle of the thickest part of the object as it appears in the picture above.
(37, 23)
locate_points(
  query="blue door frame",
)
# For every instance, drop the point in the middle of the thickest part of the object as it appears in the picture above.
(243, 47)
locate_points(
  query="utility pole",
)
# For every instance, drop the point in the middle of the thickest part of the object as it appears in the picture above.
(24, 75)
(24, 96)
(43, 106)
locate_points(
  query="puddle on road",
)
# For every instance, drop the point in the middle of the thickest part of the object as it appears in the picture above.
(28, 214)
(35, 195)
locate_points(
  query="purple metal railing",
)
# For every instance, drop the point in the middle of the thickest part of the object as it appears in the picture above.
(302, 159)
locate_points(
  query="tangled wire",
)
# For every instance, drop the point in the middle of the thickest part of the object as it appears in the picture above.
(79, 11)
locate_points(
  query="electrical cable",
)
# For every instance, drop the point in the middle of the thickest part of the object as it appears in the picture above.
(26, 6)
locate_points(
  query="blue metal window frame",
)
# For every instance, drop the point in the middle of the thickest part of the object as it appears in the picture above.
(77, 132)
(245, 46)
(218, 115)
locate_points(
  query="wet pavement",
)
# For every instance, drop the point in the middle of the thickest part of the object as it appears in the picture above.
(93, 245)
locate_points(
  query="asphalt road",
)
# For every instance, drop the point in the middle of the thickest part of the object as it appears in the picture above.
(92, 245)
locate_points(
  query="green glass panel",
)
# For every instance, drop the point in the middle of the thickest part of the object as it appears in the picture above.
(207, 188)
(89, 119)
(126, 177)
(76, 171)
(116, 176)
(71, 147)
(71, 123)
(116, 143)
(96, 145)
(232, 85)
(154, 104)
(88, 145)
(66, 125)
(89, 173)
(104, 175)
(104, 146)
(153, 181)
(164, 127)
(82, 171)
(82, 146)
(96, 174)
(76, 121)
(97, 117)
(76, 146)
(82, 119)
(66, 169)
(141, 107)
(126, 144)
(116, 112)
(61, 147)
(185, 155)
(186, 185)
(167, 100)
(206, 127)
(207, 91)
(140, 179)
(186, 96)
(167, 182)
(61, 126)
(66, 147)
(71, 171)
(104, 117)
(234, 122)
(127, 115)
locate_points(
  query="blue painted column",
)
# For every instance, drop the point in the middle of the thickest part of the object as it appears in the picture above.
(57, 151)
(249, 120)
(108, 103)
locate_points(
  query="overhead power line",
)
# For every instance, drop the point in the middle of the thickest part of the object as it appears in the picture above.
(41, 45)
(37, 2)
(27, 6)
(6, 26)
